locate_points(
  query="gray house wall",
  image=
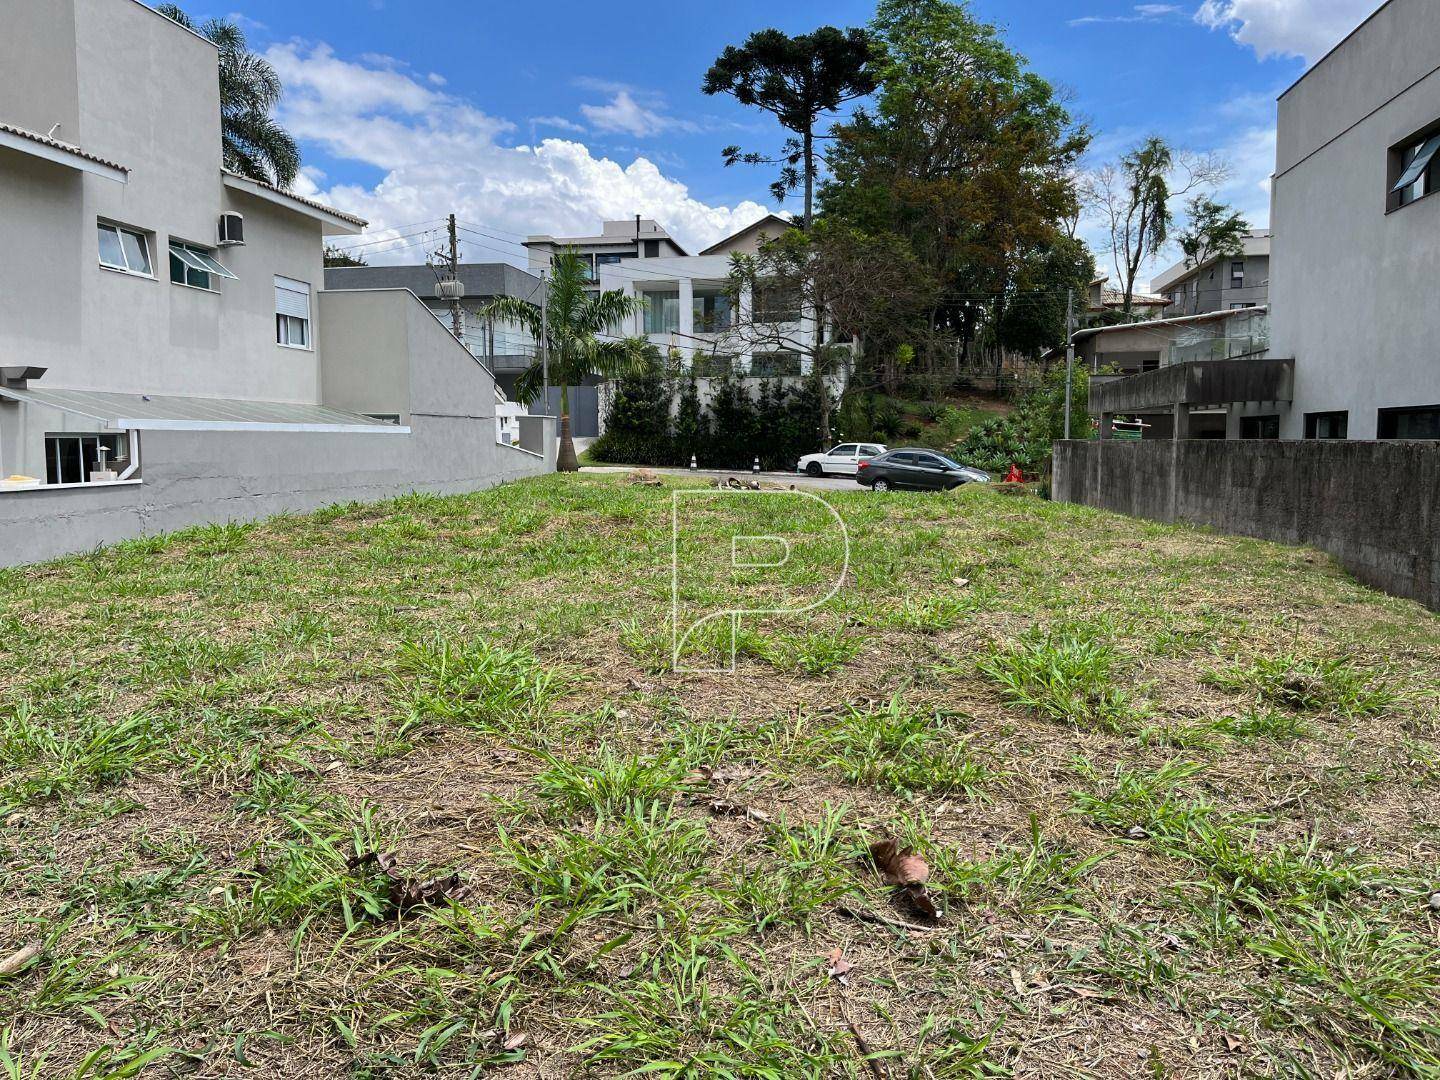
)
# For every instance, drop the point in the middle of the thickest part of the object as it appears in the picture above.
(1353, 288)
(386, 354)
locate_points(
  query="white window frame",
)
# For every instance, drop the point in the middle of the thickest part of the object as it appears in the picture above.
(120, 232)
(285, 319)
(202, 262)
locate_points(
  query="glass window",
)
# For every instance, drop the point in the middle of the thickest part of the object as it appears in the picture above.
(1260, 427)
(124, 249)
(194, 267)
(869, 450)
(712, 313)
(652, 249)
(1416, 170)
(292, 313)
(662, 312)
(1327, 425)
(1420, 423)
(774, 365)
(777, 304)
(847, 450)
(70, 459)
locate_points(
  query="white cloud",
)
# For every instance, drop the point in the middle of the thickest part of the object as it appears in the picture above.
(439, 154)
(1141, 13)
(624, 114)
(558, 122)
(1304, 28)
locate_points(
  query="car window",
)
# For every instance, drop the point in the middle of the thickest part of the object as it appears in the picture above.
(900, 458)
(847, 450)
(868, 450)
(949, 463)
(930, 461)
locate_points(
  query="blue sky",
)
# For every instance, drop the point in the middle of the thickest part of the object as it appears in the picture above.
(545, 117)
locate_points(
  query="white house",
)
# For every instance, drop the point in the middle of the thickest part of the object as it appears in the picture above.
(167, 354)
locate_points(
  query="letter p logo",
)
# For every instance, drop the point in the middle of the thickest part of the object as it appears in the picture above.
(739, 553)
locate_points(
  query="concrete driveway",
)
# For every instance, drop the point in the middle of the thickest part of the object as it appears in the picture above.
(800, 480)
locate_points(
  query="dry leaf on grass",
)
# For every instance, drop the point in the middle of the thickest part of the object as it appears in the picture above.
(837, 967)
(722, 808)
(408, 892)
(907, 870)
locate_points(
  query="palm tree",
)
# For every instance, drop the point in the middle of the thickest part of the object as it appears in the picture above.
(572, 324)
(252, 143)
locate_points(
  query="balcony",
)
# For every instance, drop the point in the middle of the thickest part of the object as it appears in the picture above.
(1196, 383)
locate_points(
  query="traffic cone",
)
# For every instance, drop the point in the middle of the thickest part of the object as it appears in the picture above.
(693, 464)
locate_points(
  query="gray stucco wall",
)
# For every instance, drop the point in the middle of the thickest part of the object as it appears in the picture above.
(1375, 506)
(1352, 287)
(198, 477)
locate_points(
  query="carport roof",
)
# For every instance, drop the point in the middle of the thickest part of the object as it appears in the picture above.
(153, 412)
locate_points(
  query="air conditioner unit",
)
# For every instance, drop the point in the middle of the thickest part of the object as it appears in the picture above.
(232, 229)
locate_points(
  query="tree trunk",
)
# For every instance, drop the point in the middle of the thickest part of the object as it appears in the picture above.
(565, 459)
(809, 166)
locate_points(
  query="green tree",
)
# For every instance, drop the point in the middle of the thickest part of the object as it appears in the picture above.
(1133, 199)
(692, 425)
(967, 154)
(338, 256)
(1212, 230)
(798, 80)
(1034, 319)
(637, 423)
(573, 324)
(252, 143)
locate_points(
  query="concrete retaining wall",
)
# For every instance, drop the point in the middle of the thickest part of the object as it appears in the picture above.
(192, 478)
(1375, 506)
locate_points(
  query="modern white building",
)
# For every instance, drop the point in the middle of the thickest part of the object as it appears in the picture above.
(167, 354)
(1356, 216)
(690, 309)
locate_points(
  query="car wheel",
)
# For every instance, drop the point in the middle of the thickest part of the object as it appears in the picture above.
(881, 484)
(814, 469)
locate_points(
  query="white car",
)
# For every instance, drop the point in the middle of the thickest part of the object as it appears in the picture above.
(842, 460)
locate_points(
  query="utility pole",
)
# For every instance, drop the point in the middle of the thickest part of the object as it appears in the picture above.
(1069, 355)
(457, 324)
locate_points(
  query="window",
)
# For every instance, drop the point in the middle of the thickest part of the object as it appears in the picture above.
(652, 249)
(124, 250)
(712, 365)
(611, 260)
(848, 450)
(712, 313)
(662, 312)
(777, 304)
(1237, 275)
(1260, 427)
(292, 313)
(1418, 423)
(869, 450)
(195, 267)
(70, 459)
(774, 365)
(1413, 168)
(1327, 425)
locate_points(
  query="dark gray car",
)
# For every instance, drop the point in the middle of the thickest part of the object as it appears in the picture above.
(921, 470)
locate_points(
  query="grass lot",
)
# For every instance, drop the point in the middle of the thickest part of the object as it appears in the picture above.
(1177, 794)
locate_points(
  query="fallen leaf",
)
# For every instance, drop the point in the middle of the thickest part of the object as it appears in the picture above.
(407, 892)
(899, 867)
(960, 582)
(514, 1042)
(1232, 1044)
(907, 870)
(837, 967)
(722, 808)
(18, 959)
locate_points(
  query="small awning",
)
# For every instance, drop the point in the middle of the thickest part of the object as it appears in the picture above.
(62, 153)
(154, 412)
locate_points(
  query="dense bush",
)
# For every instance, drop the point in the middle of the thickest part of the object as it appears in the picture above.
(653, 420)
(1025, 436)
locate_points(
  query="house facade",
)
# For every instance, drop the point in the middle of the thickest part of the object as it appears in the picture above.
(167, 352)
(1357, 171)
(632, 239)
(505, 348)
(1222, 283)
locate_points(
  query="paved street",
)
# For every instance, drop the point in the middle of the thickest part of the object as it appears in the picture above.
(800, 480)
